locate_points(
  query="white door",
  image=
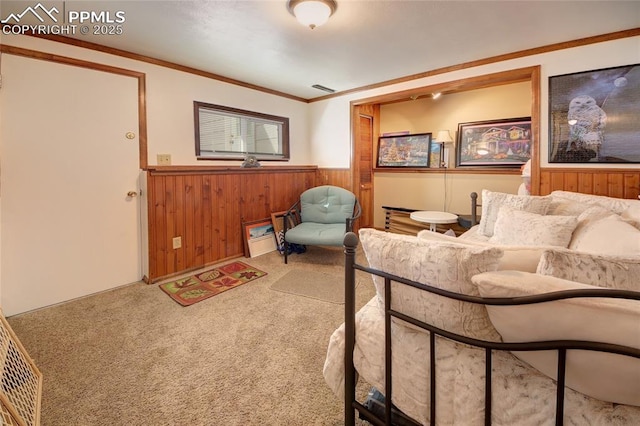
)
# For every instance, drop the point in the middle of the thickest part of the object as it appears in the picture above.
(67, 226)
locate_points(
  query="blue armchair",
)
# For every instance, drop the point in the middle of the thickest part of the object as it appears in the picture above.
(326, 213)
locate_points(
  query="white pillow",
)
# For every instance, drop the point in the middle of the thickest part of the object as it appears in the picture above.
(492, 201)
(566, 207)
(439, 264)
(622, 273)
(515, 227)
(473, 235)
(632, 214)
(607, 235)
(616, 205)
(519, 258)
(607, 377)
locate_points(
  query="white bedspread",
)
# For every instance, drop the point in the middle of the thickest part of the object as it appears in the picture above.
(521, 395)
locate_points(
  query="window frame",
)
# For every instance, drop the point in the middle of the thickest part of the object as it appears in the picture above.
(283, 122)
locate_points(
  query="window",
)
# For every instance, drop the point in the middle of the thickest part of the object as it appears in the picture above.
(224, 133)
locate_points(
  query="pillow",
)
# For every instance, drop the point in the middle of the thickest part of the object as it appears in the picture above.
(587, 217)
(439, 264)
(607, 235)
(594, 269)
(492, 201)
(565, 207)
(515, 227)
(616, 205)
(632, 214)
(472, 234)
(519, 258)
(607, 377)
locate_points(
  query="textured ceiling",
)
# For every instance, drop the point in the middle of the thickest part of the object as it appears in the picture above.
(364, 42)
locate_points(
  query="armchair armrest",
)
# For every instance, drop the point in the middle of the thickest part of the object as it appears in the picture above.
(293, 215)
(357, 211)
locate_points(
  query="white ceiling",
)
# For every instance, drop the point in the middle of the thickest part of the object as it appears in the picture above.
(365, 41)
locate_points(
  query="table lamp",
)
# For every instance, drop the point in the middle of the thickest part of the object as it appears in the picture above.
(443, 137)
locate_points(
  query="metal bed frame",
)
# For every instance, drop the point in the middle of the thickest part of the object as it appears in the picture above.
(351, 404)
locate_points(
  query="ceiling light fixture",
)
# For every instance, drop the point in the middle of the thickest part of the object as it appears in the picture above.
(436, 95)
(312, 13)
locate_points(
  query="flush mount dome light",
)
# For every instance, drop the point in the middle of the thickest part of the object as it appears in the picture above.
(312, 13)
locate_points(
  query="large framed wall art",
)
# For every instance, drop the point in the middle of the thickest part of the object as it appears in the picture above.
(407, 151)
(494, 143)
(593, 116)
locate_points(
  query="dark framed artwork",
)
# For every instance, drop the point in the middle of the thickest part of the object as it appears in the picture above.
(494, 143)
(593, 116)
(407, 151)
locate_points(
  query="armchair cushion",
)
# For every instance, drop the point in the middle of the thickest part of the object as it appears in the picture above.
(317, 234)
(326, 214)
(327, 204)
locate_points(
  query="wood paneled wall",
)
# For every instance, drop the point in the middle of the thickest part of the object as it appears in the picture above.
(207, 206)
(336, 177)
(620, 183)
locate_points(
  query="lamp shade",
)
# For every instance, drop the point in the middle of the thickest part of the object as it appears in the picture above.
(444, 136)
(312, 13)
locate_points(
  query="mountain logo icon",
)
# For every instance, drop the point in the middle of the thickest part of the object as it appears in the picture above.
(38, 11)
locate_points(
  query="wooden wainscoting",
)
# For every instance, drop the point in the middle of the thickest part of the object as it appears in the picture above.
(336, 177)
(620, 183)
(207, 206)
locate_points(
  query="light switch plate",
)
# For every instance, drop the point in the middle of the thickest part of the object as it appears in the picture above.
(164, 159)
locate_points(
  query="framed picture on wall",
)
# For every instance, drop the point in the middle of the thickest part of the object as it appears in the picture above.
(593, 116)
(494, 143)
(406, 151)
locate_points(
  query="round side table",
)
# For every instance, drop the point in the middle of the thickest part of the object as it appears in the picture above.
(433, 218)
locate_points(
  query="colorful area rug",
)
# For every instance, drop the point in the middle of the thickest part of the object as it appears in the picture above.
(189, 290)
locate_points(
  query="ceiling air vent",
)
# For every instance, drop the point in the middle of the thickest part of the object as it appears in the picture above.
(321, 87)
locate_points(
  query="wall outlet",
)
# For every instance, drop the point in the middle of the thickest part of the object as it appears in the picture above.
(164, 159)
(177, 242)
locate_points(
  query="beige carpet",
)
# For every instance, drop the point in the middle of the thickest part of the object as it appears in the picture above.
(249, 356)
(312, 284)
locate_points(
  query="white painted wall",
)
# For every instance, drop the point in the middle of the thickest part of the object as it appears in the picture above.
(330, 127)
(330, 124)
(170, 95)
